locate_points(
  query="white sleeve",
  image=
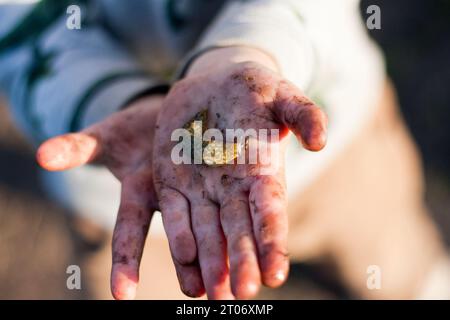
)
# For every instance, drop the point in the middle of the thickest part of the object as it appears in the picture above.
(274, 26)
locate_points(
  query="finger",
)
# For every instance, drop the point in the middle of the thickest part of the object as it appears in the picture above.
(236, 224)
(270, 225)
(212, 250)
(68, 151)
(190, 278)
(302, 116)
(132, 224)
(175, 213)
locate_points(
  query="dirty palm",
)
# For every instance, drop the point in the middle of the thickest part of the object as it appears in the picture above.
(227, 222)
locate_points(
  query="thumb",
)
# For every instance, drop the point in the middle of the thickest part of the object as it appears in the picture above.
(302, 116)
(68, 151)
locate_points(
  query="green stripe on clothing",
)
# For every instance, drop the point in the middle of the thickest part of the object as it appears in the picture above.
(176, 19)
(39, 68)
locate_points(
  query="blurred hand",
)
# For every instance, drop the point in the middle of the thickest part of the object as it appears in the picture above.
(123, 143)
(227, 224)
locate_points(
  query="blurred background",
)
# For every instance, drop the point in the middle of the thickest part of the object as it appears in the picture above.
(38, 240)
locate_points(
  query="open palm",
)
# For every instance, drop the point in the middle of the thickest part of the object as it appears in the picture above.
(227, 223)
(123, 143)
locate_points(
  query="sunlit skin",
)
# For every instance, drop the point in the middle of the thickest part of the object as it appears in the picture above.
(123, 143)
(226, 225)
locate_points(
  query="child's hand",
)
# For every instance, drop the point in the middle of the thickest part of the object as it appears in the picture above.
(123, 143)
(230, 211)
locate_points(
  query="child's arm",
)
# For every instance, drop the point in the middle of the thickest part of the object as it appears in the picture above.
(123, 143)
(236, 212)
(270, 36)
(58, 81)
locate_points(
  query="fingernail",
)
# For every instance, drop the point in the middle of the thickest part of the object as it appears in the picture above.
(280, 276)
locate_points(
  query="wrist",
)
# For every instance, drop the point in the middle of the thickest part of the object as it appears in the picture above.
(228, 56)
(151, 101)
